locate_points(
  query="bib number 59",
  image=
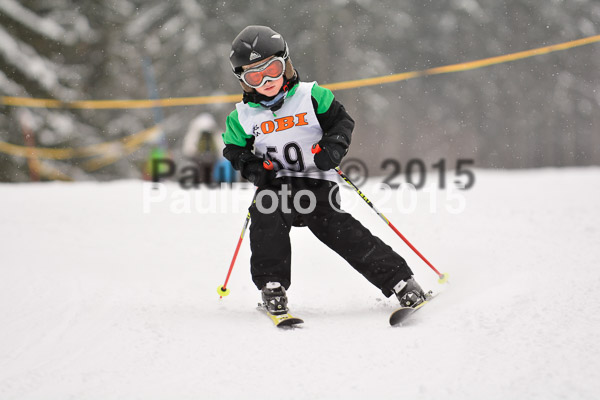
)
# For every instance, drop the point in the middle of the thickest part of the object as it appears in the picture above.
(292, 155)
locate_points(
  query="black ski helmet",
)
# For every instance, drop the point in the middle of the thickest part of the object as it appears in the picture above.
(256, 43)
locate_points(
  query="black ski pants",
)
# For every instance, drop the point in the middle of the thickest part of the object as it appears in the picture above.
(272, 220)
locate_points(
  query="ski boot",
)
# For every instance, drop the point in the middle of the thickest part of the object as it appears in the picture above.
(409, 293)
(274, 298)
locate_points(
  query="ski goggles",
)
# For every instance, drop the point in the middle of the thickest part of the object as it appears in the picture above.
(270, 71)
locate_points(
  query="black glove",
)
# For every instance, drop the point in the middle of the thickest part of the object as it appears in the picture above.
(333, 149)
(255, 172)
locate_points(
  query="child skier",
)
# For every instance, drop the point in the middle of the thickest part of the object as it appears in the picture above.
(280, 119)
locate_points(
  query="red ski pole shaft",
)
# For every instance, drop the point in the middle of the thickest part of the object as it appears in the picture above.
(222, 290)
(442, 277)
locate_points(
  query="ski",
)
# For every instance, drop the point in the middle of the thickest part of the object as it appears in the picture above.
(403, 313)
(281, 320)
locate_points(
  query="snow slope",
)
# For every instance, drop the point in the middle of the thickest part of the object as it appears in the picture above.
(101, 300)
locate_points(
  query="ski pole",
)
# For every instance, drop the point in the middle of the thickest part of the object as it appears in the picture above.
(443, 278)
(223, 290)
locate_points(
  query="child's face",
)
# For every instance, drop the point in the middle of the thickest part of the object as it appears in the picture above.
(269, 88)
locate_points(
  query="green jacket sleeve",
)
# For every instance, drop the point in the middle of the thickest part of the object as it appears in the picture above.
(337, 125)
(234, 133)
(323, 97)
(238, 144)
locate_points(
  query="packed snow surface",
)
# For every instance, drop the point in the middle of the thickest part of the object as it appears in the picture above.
(108, 291)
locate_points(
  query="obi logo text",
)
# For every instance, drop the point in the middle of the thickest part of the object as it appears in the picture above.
(283, 123)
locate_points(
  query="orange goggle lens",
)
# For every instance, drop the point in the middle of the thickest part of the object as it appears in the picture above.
(256, 77)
